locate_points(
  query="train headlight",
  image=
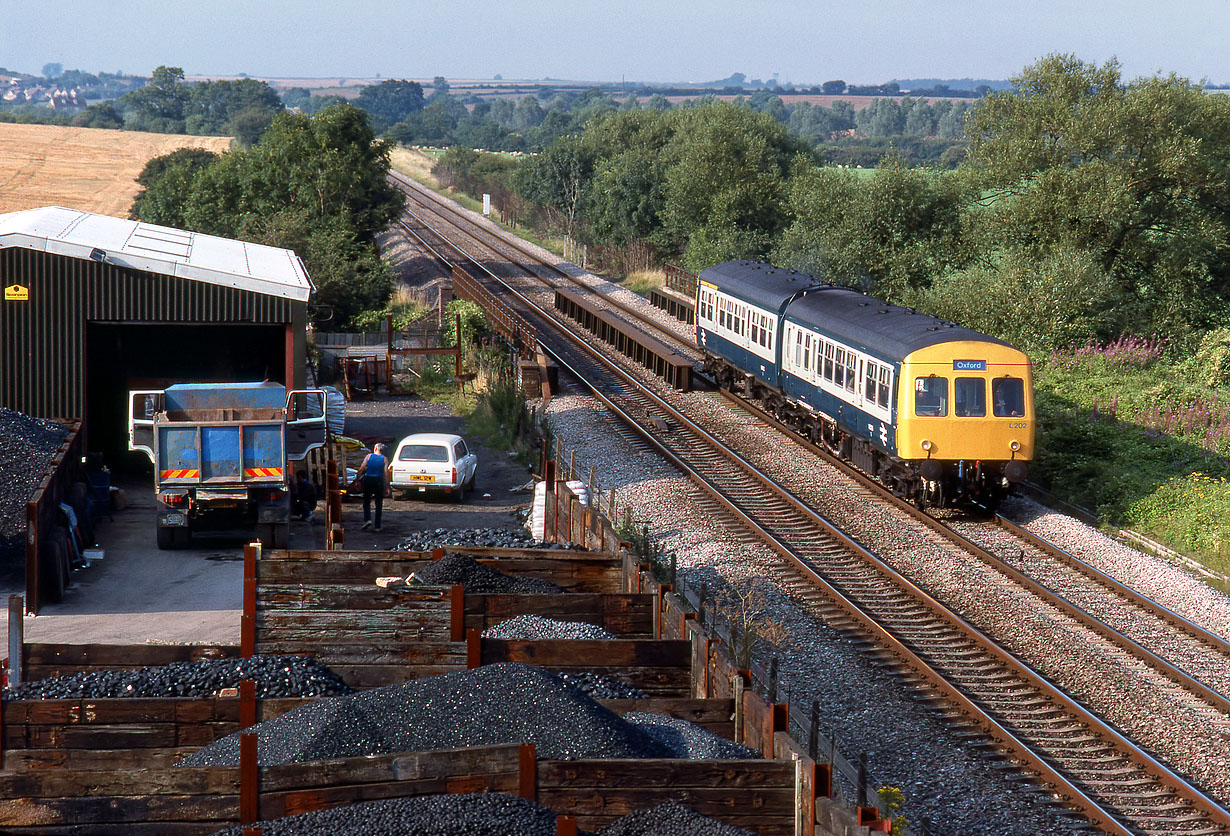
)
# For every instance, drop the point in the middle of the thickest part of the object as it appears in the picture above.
(1014, 446)
(926, 445)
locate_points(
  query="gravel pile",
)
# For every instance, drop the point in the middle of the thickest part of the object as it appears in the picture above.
(688, 740)
(493, 704)
(538, 627)
(491, 538)
(670, 819)
(27, 446)
(477, 814)
(275, 676)
(601, 687)
(479, 578)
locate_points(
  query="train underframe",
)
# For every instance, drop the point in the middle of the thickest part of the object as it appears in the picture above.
(928, 483)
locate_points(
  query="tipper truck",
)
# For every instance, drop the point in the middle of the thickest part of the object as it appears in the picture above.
(222, 454)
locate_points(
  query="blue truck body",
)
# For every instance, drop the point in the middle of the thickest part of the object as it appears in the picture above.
(222, 453)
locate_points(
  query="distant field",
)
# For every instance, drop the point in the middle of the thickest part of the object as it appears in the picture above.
(81, 168)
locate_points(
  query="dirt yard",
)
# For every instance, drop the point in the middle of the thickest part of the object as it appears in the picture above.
(81, 168)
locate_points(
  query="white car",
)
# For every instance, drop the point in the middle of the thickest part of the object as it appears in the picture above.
(432, 463)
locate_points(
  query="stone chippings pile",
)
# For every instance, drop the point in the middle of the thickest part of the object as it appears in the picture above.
(479, 814)
(479, 578)
(490, 705)
(688, 740)
(275, 676)
(27, 446)
(538, 627)
(600, 687)
(491, 538)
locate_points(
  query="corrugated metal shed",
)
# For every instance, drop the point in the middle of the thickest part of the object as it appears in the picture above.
(158, 249)
(96, 305)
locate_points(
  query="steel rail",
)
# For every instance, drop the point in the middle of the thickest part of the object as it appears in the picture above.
(1162, 775)
(1012, 742)
(1086, 619)
(466, 225)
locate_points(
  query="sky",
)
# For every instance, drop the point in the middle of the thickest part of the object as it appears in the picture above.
(868, 42)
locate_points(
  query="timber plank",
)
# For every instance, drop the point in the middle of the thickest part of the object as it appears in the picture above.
(620, 801)
(104, 782)
(79, 810)
(580, 653)
(403, 766)
(667, 773)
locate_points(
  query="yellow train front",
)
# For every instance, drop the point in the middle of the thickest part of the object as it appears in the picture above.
(964, 421)
(940, 413)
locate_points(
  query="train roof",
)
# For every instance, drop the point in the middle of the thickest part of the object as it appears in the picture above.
(855, 318)
(889, 330)
(759, 282)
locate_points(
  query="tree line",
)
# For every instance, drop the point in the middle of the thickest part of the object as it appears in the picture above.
(1086, 206)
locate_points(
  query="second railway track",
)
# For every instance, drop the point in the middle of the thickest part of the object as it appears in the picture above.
(1118, 786)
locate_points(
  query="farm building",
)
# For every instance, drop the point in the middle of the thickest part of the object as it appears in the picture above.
(95, 305)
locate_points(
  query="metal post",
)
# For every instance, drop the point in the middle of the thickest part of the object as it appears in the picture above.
(674, 567)
(862, 779)
(813, 731)
(773, 679)
(17, 638)
(572, 465)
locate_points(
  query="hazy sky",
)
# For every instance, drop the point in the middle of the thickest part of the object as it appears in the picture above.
(641, 40)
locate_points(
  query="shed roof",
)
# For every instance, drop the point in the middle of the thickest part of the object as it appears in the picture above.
(273, 271)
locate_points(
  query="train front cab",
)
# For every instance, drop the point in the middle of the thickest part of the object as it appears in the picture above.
(966, 417)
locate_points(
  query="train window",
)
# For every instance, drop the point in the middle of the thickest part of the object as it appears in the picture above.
(1008, 393)
(851, 365)
(971, 397)
(828, 361)
(798, 348)
(886, 381)
(930, 396)
(839, 368)
(807, 351)
(870, 392)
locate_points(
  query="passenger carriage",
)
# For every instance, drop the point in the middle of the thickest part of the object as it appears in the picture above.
(941, 413)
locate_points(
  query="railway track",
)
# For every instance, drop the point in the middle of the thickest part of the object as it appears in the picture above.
(1116, 785)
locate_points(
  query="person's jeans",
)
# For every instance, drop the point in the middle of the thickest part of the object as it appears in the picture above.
(373, 488)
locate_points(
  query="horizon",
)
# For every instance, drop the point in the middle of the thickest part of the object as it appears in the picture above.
(638, 42)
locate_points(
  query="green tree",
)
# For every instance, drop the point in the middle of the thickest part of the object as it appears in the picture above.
(167, 184)
(888, 234)
(726, 183)
(1133, 174)
(102, 115)
(159, 105)
(51, 71)
(392, 100)
(558, 179)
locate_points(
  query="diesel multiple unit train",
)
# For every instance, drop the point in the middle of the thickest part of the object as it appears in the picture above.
(941, 414)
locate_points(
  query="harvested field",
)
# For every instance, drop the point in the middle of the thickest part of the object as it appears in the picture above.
(89, 169)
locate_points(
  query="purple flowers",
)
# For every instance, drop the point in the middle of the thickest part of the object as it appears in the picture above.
(1116, 354)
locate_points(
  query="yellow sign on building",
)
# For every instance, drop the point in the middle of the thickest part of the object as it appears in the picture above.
(16, 293)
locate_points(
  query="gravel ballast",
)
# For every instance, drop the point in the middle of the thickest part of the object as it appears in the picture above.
(670, 819)
(274, 676)
(490, 538)
(538, 627)
(479, 578)
(492, 704)
(600, 687)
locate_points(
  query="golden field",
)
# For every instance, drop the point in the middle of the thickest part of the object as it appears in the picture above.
(82, 168)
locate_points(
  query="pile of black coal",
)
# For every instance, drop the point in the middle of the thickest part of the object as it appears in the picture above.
(274, 676)
(688, 740)
(479, 578)
(492, 538)
(476, 814)
(670, 819)
(27, 446)
(479, 814)
(538, 627)
(600, 687)
(488, 705)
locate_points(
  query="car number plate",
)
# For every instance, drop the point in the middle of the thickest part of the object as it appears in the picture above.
(174, 519)
(421, 477)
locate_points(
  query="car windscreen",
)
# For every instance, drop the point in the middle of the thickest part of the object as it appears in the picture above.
(422, 453)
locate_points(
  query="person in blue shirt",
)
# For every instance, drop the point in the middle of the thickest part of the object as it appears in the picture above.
(372, 475)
